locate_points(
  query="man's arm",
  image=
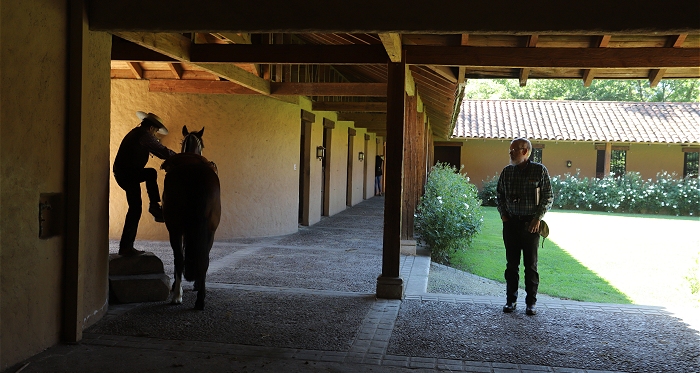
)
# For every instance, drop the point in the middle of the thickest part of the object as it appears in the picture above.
(546, 194)
(501, 197)
(155, 147)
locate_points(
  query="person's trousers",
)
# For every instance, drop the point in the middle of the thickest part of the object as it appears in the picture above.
(132, 186)
(517, 239)
(378, 185)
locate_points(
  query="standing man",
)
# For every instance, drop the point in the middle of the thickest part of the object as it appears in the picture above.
(524, 195)
(378, 168)
(129, 171)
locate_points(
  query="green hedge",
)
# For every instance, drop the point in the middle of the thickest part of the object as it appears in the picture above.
(449, 213)
(667, 194)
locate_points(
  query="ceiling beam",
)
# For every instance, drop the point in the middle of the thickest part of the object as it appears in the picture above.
(136, 69)
(178, 47)
(290, 54)
(462, 74)
(377, 118)
(392, 44)
(359, 107)
(278, 89)
(198, 87)
(589, 74)
(655, 75)
(524, 72)
(379, 16)
(611, 58)
(329, 89)
(176, 69)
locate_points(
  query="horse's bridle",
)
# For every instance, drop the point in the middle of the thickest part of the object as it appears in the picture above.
(198, 146)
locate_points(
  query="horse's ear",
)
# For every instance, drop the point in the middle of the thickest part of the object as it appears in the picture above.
(184, 131)
(200, 133)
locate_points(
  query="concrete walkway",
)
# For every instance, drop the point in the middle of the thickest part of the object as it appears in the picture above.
(305, 303)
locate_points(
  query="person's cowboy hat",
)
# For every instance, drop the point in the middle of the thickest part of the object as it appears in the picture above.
(154, 120)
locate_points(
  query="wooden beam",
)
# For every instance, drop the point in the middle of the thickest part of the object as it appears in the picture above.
(524, 72)
(444, 71)
(198, 86)
(363, 117)
(178, 47)
(176, 68)
(589, 74)
(329, 89)
(123, 50)
(235, 38)
(611, 58)
(462, 74)
(655, 75)
(359, 107)
(136, 69)
(377, 16)
(290, 54)
(392, 44)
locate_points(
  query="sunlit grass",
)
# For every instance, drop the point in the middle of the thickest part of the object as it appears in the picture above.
(600, 257)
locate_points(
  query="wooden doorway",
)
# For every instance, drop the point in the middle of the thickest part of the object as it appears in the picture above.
(307, 119)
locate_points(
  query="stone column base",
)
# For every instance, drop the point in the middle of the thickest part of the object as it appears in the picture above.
(408, 247)
(390, 287)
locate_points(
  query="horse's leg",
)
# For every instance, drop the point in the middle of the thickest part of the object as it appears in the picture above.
(179, 259)
(200, 283)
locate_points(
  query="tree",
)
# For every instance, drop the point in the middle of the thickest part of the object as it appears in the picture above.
(669, 90)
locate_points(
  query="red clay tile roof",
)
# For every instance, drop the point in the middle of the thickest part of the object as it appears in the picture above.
(663, 122)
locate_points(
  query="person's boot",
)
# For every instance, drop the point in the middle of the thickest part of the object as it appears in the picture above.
(157, 212)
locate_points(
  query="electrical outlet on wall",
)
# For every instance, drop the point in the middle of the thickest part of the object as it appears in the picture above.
(295, 167)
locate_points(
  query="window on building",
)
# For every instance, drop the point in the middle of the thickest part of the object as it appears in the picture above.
(691, 162)
(536, 155)
(618, 163)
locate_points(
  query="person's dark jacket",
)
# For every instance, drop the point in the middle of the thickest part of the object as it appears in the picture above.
(134, 150)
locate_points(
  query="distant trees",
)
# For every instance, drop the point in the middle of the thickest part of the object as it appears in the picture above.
(668, 90)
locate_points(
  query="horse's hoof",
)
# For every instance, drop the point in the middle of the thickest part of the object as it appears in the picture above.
(199, 306)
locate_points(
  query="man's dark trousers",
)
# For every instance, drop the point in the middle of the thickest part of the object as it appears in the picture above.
(517, 239)
(132, 186)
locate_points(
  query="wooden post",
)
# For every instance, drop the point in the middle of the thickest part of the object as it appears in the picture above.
(608, 155)
(411, 164)
(389, 284)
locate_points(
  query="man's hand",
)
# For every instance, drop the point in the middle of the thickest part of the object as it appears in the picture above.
(504, 218)
(534, 226)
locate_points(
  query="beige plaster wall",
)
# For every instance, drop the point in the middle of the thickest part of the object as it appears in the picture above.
(253, 140)
(650, 159)
(483, 159)
(94, 240)
(33, 112)
(33, 65)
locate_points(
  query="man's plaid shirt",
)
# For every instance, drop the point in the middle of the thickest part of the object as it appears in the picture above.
(517, 188)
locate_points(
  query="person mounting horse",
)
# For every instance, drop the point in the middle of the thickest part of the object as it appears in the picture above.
(130, 171)
(192, 210)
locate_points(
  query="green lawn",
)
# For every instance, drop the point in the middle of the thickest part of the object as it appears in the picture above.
(600, 257)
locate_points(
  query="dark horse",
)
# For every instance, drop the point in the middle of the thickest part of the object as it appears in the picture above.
(191, 209)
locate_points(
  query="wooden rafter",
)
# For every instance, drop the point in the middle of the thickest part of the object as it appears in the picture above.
(589, 74)
(611, 58)
(176, 68)
(462, 75)
(392, 44)
(358, 107)
(655, 75)
(278, 89)
(178, 47)
(525, 71)
(136, 69)
(290, 54)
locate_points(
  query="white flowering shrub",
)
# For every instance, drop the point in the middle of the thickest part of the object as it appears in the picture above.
(667, 194)
(449, 214)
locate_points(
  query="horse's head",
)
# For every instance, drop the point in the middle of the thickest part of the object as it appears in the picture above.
(192, 143)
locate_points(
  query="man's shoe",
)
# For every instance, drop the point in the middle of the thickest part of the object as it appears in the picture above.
(130, 252)
(530, 310)
(509, 307)
(157, 212)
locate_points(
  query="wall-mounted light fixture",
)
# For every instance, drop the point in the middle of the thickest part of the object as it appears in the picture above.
(320, 152)
(568, 163)
(361, 156)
